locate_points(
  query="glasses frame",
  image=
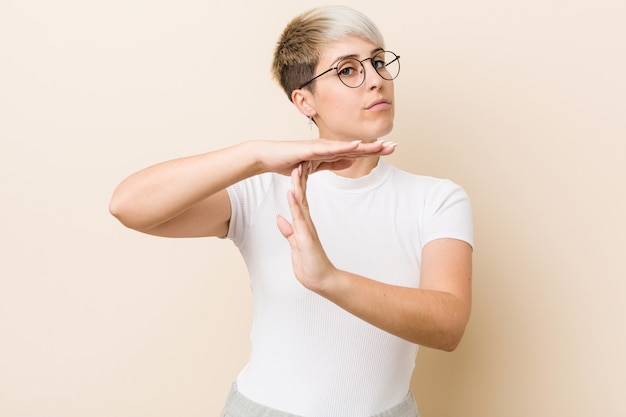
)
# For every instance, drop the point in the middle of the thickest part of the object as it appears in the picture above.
(336, 67)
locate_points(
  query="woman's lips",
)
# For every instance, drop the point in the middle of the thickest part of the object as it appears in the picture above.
(378, 105)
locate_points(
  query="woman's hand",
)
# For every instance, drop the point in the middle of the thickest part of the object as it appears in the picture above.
(284, 156)
(310, 263)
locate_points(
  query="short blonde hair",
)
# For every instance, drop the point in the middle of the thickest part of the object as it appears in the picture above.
(297, 51)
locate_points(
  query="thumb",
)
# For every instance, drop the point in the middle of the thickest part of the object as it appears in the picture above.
(284, 226)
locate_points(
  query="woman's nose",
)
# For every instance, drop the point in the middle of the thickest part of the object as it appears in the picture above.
(372, 78)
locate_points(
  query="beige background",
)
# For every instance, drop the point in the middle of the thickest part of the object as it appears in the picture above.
(522, 103)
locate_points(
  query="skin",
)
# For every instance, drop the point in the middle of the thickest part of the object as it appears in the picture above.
(186, 198)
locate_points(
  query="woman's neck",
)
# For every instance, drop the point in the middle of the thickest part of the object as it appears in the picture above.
(360, 167)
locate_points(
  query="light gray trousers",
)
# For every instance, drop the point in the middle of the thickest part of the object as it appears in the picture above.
(237, 405)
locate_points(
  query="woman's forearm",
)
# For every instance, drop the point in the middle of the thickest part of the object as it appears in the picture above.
(435, 319)
(158, 193)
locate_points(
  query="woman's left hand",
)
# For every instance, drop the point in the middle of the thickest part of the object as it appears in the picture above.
(310, 263)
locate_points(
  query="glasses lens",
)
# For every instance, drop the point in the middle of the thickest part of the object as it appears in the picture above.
(351, 72)
(387, 65)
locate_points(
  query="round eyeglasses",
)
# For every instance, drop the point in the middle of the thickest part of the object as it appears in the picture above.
(351, 71)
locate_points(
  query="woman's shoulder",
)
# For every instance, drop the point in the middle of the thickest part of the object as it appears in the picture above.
(425, 181)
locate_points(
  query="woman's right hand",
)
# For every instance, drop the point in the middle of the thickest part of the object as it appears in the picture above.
(284, 156)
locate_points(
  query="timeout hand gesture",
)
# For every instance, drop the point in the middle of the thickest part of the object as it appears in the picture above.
(310, 264)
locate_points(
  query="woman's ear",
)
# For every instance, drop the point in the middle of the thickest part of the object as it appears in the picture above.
(303, 100)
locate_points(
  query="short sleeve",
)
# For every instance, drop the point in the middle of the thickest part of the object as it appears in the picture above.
(448, 214)
(245, 198)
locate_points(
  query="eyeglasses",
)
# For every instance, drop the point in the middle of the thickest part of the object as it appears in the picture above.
(352, 73)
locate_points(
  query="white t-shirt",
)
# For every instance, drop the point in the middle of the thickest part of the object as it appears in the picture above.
(310, 357)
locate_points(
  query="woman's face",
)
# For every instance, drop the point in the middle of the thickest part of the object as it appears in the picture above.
(343, 113)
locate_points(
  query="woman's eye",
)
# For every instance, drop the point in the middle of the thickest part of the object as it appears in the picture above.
(378, 63)
(347, 71)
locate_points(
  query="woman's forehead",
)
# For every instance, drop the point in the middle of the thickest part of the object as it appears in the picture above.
(350, 46)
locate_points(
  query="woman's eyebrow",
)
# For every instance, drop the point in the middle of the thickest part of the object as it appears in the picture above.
(356, 56)
(341, 58)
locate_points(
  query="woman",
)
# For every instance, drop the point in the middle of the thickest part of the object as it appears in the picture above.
(353, 262)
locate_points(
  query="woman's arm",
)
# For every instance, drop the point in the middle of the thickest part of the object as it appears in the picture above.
(434, 315)
(183, 197)
(186, 197)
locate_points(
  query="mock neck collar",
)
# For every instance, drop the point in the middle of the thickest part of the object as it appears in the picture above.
(372, 180)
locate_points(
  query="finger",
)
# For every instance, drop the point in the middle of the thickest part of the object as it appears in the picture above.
(325, 150)
(296, 209)
(364, 150)
(388, 147)
(298, 226)
(296, 186)
(300, 185)
(304, 177)
(381, 147)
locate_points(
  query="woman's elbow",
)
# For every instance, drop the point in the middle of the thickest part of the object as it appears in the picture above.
(452, 342)
(446, 341)
(119, 213)
(449, 336)
(123, 212)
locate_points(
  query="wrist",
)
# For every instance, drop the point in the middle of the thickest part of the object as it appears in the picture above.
(252, 151)
(334, 283)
